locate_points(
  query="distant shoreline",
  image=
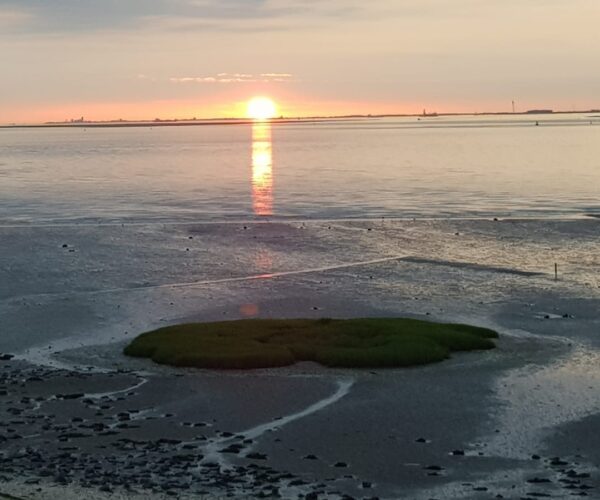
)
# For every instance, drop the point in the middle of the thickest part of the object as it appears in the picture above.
(246, 121)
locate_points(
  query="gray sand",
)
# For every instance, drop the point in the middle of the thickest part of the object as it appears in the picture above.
(476, 426)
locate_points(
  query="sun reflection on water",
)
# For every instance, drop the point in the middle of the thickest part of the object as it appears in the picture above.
(262, 169)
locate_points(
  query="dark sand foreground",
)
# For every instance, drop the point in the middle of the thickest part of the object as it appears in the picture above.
(80, 420)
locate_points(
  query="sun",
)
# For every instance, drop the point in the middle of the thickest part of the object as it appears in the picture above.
(261, 108)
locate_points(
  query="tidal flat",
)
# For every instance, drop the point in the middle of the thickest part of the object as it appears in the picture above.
(79, 418)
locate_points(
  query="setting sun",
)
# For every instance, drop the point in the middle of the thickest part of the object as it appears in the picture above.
(261, 108)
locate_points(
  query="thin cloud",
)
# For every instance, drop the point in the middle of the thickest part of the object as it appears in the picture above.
(234, 78)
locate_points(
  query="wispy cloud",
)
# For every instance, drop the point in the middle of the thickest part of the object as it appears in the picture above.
(235, 78)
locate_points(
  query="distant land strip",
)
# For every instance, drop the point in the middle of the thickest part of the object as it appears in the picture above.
(171, 122)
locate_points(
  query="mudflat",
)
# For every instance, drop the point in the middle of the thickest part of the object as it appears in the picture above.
(78, 416)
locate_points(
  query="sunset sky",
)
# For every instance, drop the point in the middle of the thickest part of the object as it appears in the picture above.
(141, 59)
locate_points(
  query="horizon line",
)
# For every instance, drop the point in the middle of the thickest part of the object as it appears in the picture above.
(120, 122)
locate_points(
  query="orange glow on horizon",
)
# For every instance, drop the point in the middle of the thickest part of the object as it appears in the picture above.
(228, 105)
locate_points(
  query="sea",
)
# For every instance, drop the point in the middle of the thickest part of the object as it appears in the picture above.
(447, 166)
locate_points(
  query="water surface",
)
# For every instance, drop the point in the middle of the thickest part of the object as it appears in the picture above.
(395, 167)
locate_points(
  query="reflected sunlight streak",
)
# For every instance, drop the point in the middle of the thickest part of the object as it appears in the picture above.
(262, 169)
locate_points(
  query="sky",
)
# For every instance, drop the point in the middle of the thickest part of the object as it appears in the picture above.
(146, 59)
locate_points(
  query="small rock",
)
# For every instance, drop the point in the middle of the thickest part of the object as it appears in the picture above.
(538, 480)
(557, 461)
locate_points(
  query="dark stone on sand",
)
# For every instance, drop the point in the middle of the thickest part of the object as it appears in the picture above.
(535, 457)
(457, 452)
(556, 461)
(434, 467)
(6, 357)
(340, 464)
(420, 440)
(366, 484)
(310, 457)
(70, 396)
(537, 480)
(73, 435)
(574, 474)
(256, 456)
(232, 448)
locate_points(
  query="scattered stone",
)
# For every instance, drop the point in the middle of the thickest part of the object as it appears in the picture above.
(70, 396)
(574, 474)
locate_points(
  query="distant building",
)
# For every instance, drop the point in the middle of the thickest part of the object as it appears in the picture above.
(539, 111)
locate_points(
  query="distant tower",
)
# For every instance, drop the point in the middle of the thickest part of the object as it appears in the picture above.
(513, 106)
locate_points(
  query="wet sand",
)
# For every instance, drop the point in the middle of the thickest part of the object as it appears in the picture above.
(80, 419)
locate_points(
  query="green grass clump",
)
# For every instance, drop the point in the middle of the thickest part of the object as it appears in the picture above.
(263, 343)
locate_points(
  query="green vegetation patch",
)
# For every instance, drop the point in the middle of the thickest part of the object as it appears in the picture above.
(352, 343)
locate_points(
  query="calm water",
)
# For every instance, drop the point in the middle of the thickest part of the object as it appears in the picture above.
(366, 168)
